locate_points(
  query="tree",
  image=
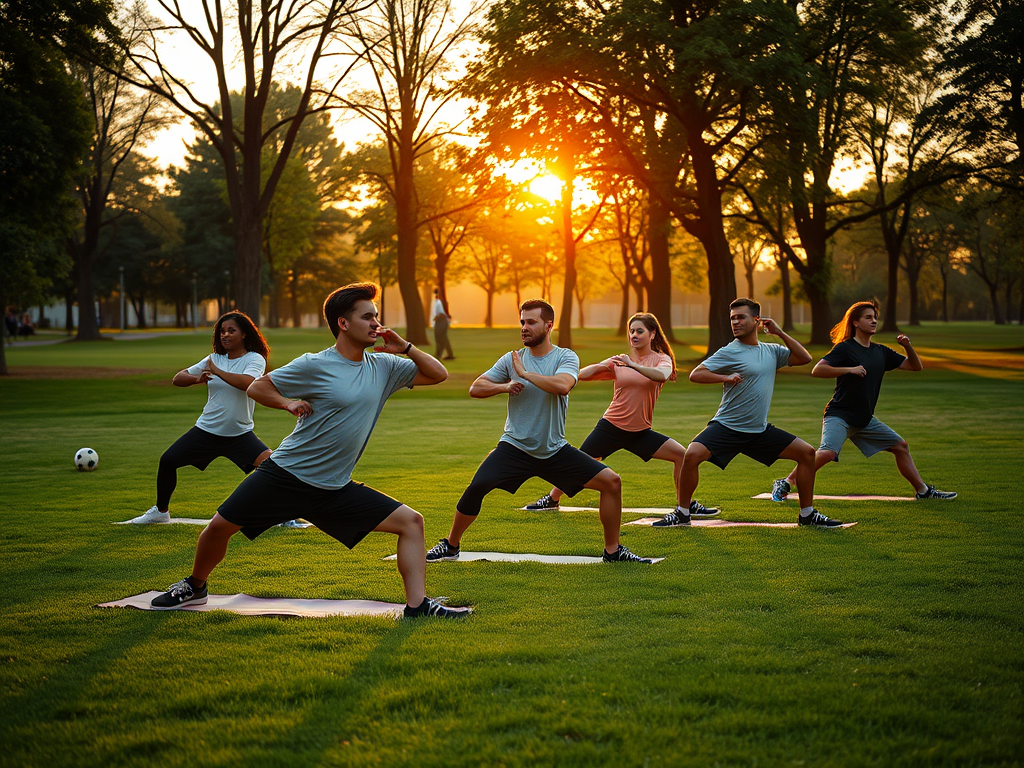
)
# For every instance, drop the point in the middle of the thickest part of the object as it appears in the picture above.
(275, 39)
(125, 118)
(45, 132)
(408, 48)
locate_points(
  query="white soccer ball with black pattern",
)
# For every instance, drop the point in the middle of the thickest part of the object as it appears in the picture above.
(86, 459)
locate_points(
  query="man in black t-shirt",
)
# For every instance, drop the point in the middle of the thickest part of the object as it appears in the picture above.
(858, 365)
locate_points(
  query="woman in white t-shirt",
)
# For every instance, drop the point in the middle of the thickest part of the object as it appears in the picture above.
(225, 427)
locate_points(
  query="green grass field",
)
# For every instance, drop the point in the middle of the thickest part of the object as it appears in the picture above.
(897, 642)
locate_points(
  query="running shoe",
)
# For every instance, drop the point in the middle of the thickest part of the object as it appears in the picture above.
(432, 607)
(781, 489)
(674, 519)
(623, 555)
(442, 551)
(291, 524)
(544, 502)
(933, 493)
(699, 510)
(818, 520)
(178, 595)
(152, 515)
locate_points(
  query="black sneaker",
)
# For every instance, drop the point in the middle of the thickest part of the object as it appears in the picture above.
(819, 520)
(781, 489)
(178, 595)
(933, 493)
(442, 551)
(699, 510)
(432, 607)
(674, 519)
(544, 502)
(623, 555)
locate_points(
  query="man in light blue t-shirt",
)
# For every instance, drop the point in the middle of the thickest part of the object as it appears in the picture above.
(537, 380)
(746, 370)
(337, 395)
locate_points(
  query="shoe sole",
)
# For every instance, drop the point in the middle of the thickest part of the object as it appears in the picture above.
(937, 498)
(822, 527)
(439, 559)
(706, 514)
(674, 525)
(137, 521)
(197, 601)
(539, 509)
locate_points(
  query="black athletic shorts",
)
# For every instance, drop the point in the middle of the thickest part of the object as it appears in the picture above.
(272, 495)
(725, 443)
(507, 467)
(606, 439)
(199, 447)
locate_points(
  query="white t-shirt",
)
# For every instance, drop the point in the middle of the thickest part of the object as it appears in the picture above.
(228, 411)
(438, 307)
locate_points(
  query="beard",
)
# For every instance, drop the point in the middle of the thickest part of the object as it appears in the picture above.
(533, 341)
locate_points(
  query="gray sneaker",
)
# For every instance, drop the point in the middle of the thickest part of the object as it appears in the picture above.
(152, 515)
(933, 493)
(623, 555)
(781, 489)
(673, 519)
(442, 551)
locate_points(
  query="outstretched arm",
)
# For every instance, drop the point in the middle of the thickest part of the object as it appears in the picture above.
(265, 393)
(559, 384)
(598, 372)
(913, 361)
(431, 371)
(797, 354)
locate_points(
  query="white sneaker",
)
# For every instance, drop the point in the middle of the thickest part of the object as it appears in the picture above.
(152, 515)
(291, 524)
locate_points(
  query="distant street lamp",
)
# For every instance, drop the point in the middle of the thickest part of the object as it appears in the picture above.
(195, 300)
(121, 271)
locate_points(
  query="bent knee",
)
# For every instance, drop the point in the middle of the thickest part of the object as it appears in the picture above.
(901, 447)
(607, 480)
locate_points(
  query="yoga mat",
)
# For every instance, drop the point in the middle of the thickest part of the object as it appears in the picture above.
(628, 510)
(516, 557)
(706, 523)
(850, 497)
(246, 605)
(194, 521)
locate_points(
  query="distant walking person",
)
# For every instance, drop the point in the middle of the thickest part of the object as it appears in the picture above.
(746, 369)
(537, 381)
(626, 425)
(225, 427)
(858, 365)
(442, 321)
(11, 325)
(337, 395)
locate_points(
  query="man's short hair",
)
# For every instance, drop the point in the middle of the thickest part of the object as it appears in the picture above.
(341, 303)
(755, 308)
(547, 312)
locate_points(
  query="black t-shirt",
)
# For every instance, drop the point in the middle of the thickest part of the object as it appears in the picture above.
(855, 397)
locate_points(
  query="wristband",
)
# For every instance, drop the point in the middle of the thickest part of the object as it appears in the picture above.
(407, 348)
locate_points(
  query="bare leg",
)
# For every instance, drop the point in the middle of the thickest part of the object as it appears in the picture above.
(609, 485)
(556, 493)
(459, 525)
(672, 451)
(905, 464)
(689, 476)
(804, 456)
(821, 458)
(212, 546)
(412, 564)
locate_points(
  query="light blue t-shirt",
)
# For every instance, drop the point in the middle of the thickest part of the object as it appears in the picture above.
(347, 397)
(228, 411)
(745, 405)
(536, 419)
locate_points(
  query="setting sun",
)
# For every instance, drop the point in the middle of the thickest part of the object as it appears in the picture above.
(547, 186)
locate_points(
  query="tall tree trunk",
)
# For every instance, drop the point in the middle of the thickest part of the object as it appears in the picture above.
(787, 296)
(69, 310)
(913, 273)
(489, 317)
(945, 297)
(749, 272)
(659, 288)
(993, 292)
(3, 341)
(247, 287)
(408, 237)
(569, 254)
(623, 310)
(293, 296)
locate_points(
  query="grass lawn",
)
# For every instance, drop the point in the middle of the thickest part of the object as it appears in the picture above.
(897, 642)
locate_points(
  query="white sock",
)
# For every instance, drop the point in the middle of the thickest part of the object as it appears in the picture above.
(806, 511)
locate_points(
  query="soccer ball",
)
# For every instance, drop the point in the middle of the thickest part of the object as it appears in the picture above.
(86, 459)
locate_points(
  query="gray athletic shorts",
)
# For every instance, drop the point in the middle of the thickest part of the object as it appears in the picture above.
(875, 436)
